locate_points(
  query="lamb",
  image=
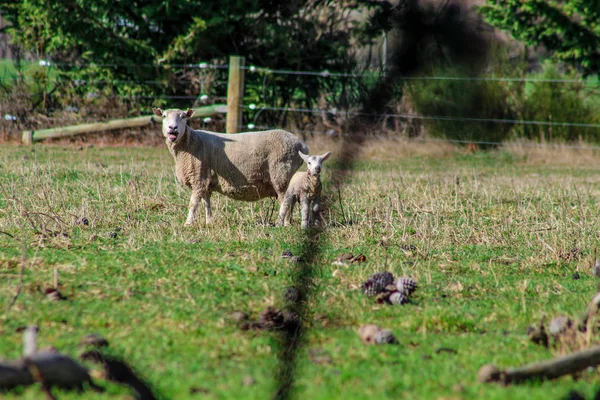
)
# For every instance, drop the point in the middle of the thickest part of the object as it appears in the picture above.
(244, 166)
(304, 188)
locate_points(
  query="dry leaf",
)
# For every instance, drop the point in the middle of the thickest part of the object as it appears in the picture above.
(359, 258)
(53, 294)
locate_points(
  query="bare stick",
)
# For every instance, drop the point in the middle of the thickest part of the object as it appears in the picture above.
(545, 370)
(21, 273)
(30, 341)
(341, 204)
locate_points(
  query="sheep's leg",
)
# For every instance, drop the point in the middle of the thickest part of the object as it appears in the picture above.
(305, 209)
(207, 209)
(193, 207)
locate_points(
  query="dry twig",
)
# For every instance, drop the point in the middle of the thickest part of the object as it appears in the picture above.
(545, 370)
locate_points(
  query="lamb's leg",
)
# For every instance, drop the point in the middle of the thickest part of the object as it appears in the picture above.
(316, 211)
(284, 210)
(305, 209)
(193, 207)
(207, 209)
(291, 212)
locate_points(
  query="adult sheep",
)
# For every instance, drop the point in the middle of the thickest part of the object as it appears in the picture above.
(244, 166)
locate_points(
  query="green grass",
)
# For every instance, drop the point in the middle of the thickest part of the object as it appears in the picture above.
(489, 259)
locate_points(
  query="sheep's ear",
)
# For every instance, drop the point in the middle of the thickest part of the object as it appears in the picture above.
(325, 156)
(157, 111)
(303, 156)
(188, 113)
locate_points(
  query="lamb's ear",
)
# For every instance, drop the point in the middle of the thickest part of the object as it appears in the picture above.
(188, 114)
(157, 111)
(302, 155)
(325, 156)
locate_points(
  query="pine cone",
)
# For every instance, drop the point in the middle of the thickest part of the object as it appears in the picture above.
(384, 336)
(398, 298)
(271, 318)
(369, 288)
(559, 325)
(368, 332)
(82, 221)
(377, 283)
(383, 297)
(291, 295)
(406, 285)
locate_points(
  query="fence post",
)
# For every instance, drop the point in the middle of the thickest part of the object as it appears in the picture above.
(235, 92)
(27, 138)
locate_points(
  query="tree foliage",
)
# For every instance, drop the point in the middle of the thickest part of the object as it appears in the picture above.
(153, 47)
(569, 29)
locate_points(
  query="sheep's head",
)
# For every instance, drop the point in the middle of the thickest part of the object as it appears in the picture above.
(313, 163)
(174, 122)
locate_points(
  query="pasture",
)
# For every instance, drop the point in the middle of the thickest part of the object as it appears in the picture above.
(493, 238)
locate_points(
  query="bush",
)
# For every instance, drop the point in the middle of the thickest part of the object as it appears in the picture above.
(557, 102)
(461, 110)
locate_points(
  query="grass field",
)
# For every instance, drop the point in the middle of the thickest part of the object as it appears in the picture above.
(492, 235)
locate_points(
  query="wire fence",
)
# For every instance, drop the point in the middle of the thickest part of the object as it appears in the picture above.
(433, 117)
(520, 143)
(348, 113)
(321, 74)
(258, 109)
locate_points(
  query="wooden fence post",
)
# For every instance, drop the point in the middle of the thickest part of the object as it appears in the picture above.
(235, 92)
(27, 138)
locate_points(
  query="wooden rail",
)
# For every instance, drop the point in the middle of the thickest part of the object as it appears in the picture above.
(33, 136)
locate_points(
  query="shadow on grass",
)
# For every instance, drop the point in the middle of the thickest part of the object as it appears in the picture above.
(119, 371)
(291, 339)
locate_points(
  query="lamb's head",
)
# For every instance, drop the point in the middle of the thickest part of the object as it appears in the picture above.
(313, 163)
(174, 122)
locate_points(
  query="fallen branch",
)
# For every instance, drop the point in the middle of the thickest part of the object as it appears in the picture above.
(591, 310)
(51, 369)
(545, 370)
(55, 369)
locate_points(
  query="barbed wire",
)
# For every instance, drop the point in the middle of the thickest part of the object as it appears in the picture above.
(429, 117)
(8, 118)
(201, 65)
(433, 140)
(326, 73)
(137, 97)
(380, 116)
(81, 82)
